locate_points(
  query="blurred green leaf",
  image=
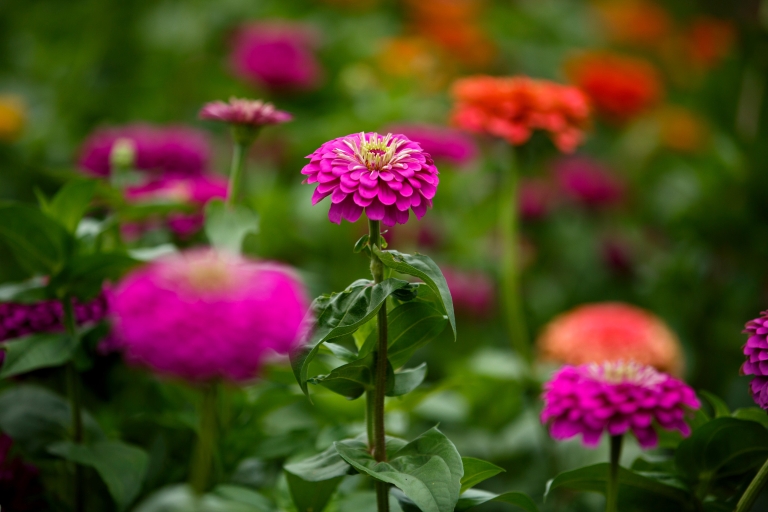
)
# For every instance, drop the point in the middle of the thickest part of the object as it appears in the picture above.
(40, 244)
(408, 380)
(243, 495)
(85, 274)
(224, 498)
(425, 269)
(428, 469)
(476, 470)
(353, 379)
(36, 351)
(718, 405)
(637, 493)
(120, 465)
(722, 447)
(227, 225)
(753, 414)
(475, 497)
(70, 203)
(313, 481)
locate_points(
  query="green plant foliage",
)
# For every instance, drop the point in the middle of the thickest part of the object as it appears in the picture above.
(476, 471)
(474, 497)
(313, 481)
(70, 203)
(41, 245)
(408, 380)
(353, 379)
(227, 225)
(36, 351)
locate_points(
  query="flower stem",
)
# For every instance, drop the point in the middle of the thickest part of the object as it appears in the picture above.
(369, 398)
(73, 383)
(510, 263)
(612, 491)
(379, 440)
(236, 173)
(206, 441)
(753, 491)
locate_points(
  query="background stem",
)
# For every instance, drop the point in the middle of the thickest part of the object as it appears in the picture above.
(753, 491)
(75, 404)
(612, 491)
(236, 173)
(206, 442)
(369, 401)
(379, 445)
(510, 262)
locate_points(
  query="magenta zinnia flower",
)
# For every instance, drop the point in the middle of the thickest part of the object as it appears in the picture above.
(588, 182)
(243, 111)
(756, 350)
(383, 175)
(167, 151)
(472, 292)
(615, 397)
(203, 315)
(449, 144)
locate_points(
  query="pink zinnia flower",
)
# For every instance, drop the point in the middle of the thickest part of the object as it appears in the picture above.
(756, 350)
(196, 191)
(383, 175)
(203, 315)
(449, 144)
(473, 292)
(276, 55)
(167, 151)
(535, 198)
(588, 182)
(254, 113)
(615, 397)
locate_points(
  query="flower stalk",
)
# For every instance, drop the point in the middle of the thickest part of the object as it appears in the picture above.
(236, 173)
(206, 441)
(612, 490)
(380, 379)
(753, 491)
(73, 383)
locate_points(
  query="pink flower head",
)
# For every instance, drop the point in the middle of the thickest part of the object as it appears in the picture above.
(383, 175)
(756, 350)
(588, 182)
(167, 151)
(449, 144)
(276, 55)
(615, 397)
(535, 197)
(242, 111)
(473, 292)
(196, 191)
(203, 315)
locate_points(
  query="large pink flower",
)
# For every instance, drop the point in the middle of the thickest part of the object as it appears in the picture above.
(383, 175)
(203, 315)
(615, 397)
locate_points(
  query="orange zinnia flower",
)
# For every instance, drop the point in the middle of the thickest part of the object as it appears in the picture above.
(620, 87)
(514, 107)
(635, 22)
(709, 40)
(611, 331)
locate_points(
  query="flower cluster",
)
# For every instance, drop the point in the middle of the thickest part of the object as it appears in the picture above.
(20, 319)
(385, 175)
(514, 107)
(615, 397)
(203, 315)
(246, 112)
(276, 55)
(610, 331)
(441, 143)
(756, 350)
(161, 151)
(620, 87)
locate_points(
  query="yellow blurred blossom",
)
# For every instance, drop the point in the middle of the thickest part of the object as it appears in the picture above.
(12, 118)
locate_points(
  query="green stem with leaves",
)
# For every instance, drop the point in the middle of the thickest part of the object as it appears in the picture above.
(73, 383)
(206, 441)
(753, 491)
(380, 379)
(510, 262)
(612, 490)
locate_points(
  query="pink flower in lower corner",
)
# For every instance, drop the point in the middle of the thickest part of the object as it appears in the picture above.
(203, 315)
(254, 113)
(383, 175)
(615, 398)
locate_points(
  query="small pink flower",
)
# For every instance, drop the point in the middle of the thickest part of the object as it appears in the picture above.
(243, 111)
(536, 197)
(615, 397)
(473, 292)
(588, 182)
(449, 144)
(203, 315)
(385, 175)
(276, 55)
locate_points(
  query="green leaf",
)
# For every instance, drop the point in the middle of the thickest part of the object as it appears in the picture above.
(340, 314)
(341, 352)
(40, 244)
(313, 481)
(410, 327)
(428, 469)
(85, 274)
(120, 465)
(408, 380)
(722, 447)
(224, 498)
(70, 203)
(353, 379)
(752, 414)
(637, 493)
(425, 269)
(245, 496)
(227, 225)
(718, 405)
(475, 497)
(35, 417)
(476, 470)
(36, 351)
